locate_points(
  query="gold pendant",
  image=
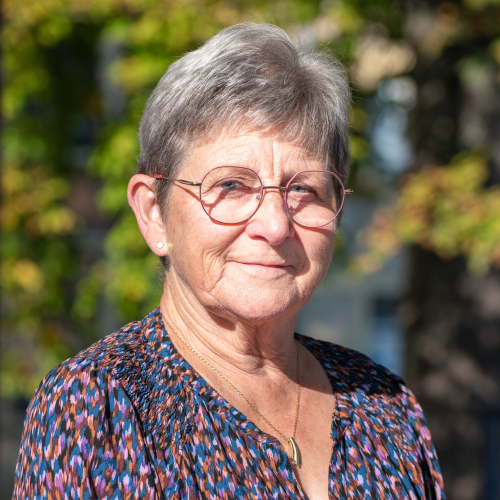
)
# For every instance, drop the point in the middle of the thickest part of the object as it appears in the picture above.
(295, 452)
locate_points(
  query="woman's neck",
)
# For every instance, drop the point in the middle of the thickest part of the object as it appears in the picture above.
(237, 347)
(261, 360)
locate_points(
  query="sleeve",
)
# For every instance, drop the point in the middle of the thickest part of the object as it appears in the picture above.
(433, 482)
(82, 440)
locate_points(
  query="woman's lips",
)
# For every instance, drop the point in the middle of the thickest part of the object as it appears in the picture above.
(264, 265)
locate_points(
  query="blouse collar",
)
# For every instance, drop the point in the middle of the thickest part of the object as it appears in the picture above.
(167, 391)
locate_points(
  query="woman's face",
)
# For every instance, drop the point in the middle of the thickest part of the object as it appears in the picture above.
(258, 270)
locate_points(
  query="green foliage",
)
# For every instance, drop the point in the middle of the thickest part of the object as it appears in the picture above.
(444, 209)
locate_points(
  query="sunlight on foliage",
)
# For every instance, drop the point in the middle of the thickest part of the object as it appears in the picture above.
(443, 209)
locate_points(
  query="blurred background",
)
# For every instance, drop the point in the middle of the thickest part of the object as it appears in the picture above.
(415, 279)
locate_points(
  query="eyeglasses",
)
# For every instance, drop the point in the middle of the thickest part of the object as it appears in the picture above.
(232, 195)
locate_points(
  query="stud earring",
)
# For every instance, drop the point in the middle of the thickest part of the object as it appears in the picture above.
(160, 244)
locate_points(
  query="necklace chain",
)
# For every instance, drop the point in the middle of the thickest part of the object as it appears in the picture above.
(228, 382)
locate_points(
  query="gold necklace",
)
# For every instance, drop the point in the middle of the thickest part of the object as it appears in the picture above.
(291, 440)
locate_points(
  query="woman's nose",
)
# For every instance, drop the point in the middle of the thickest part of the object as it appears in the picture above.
(271, 221)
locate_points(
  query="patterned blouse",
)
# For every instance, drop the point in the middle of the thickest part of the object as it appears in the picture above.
(130, 418)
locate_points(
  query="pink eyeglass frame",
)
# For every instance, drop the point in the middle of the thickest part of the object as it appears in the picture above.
(281, 188)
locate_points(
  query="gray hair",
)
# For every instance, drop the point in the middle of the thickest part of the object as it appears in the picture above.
(247, 75)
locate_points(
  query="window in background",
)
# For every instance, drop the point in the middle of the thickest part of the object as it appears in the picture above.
(386, 344)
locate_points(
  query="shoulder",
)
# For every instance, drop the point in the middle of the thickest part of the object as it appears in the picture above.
(373, 403)
(98, 360)
(366, 386)
(82, 383)
(118, 373)
(81, 420)
(351, 370)
(114, 354)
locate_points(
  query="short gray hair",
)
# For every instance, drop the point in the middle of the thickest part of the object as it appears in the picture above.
(247, 75)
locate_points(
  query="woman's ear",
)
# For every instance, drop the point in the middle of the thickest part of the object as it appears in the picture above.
(142, 199)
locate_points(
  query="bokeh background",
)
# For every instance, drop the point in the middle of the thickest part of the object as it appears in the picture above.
(415, 280)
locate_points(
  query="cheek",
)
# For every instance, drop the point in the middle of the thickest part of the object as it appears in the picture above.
(197, 245)
(318, 246)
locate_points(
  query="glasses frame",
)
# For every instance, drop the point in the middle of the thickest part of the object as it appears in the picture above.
(282, 189)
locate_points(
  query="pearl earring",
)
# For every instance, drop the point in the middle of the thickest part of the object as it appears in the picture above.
(160, 244)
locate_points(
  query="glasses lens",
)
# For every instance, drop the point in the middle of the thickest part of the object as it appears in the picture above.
(230, 194)
(314, 198)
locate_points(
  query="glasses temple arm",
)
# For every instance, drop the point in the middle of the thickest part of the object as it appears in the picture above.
(188, 183)
(182, 181)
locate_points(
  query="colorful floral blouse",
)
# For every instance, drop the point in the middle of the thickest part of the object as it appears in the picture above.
(130, 418)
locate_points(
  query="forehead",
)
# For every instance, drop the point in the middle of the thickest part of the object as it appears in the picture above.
(264, 152)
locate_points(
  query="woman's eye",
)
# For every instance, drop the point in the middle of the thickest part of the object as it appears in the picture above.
(301, 189)
(230, 185)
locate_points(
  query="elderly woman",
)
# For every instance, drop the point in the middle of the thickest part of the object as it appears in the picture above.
(239, 191)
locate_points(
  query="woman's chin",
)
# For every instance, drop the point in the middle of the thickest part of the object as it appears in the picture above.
(260, 304)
